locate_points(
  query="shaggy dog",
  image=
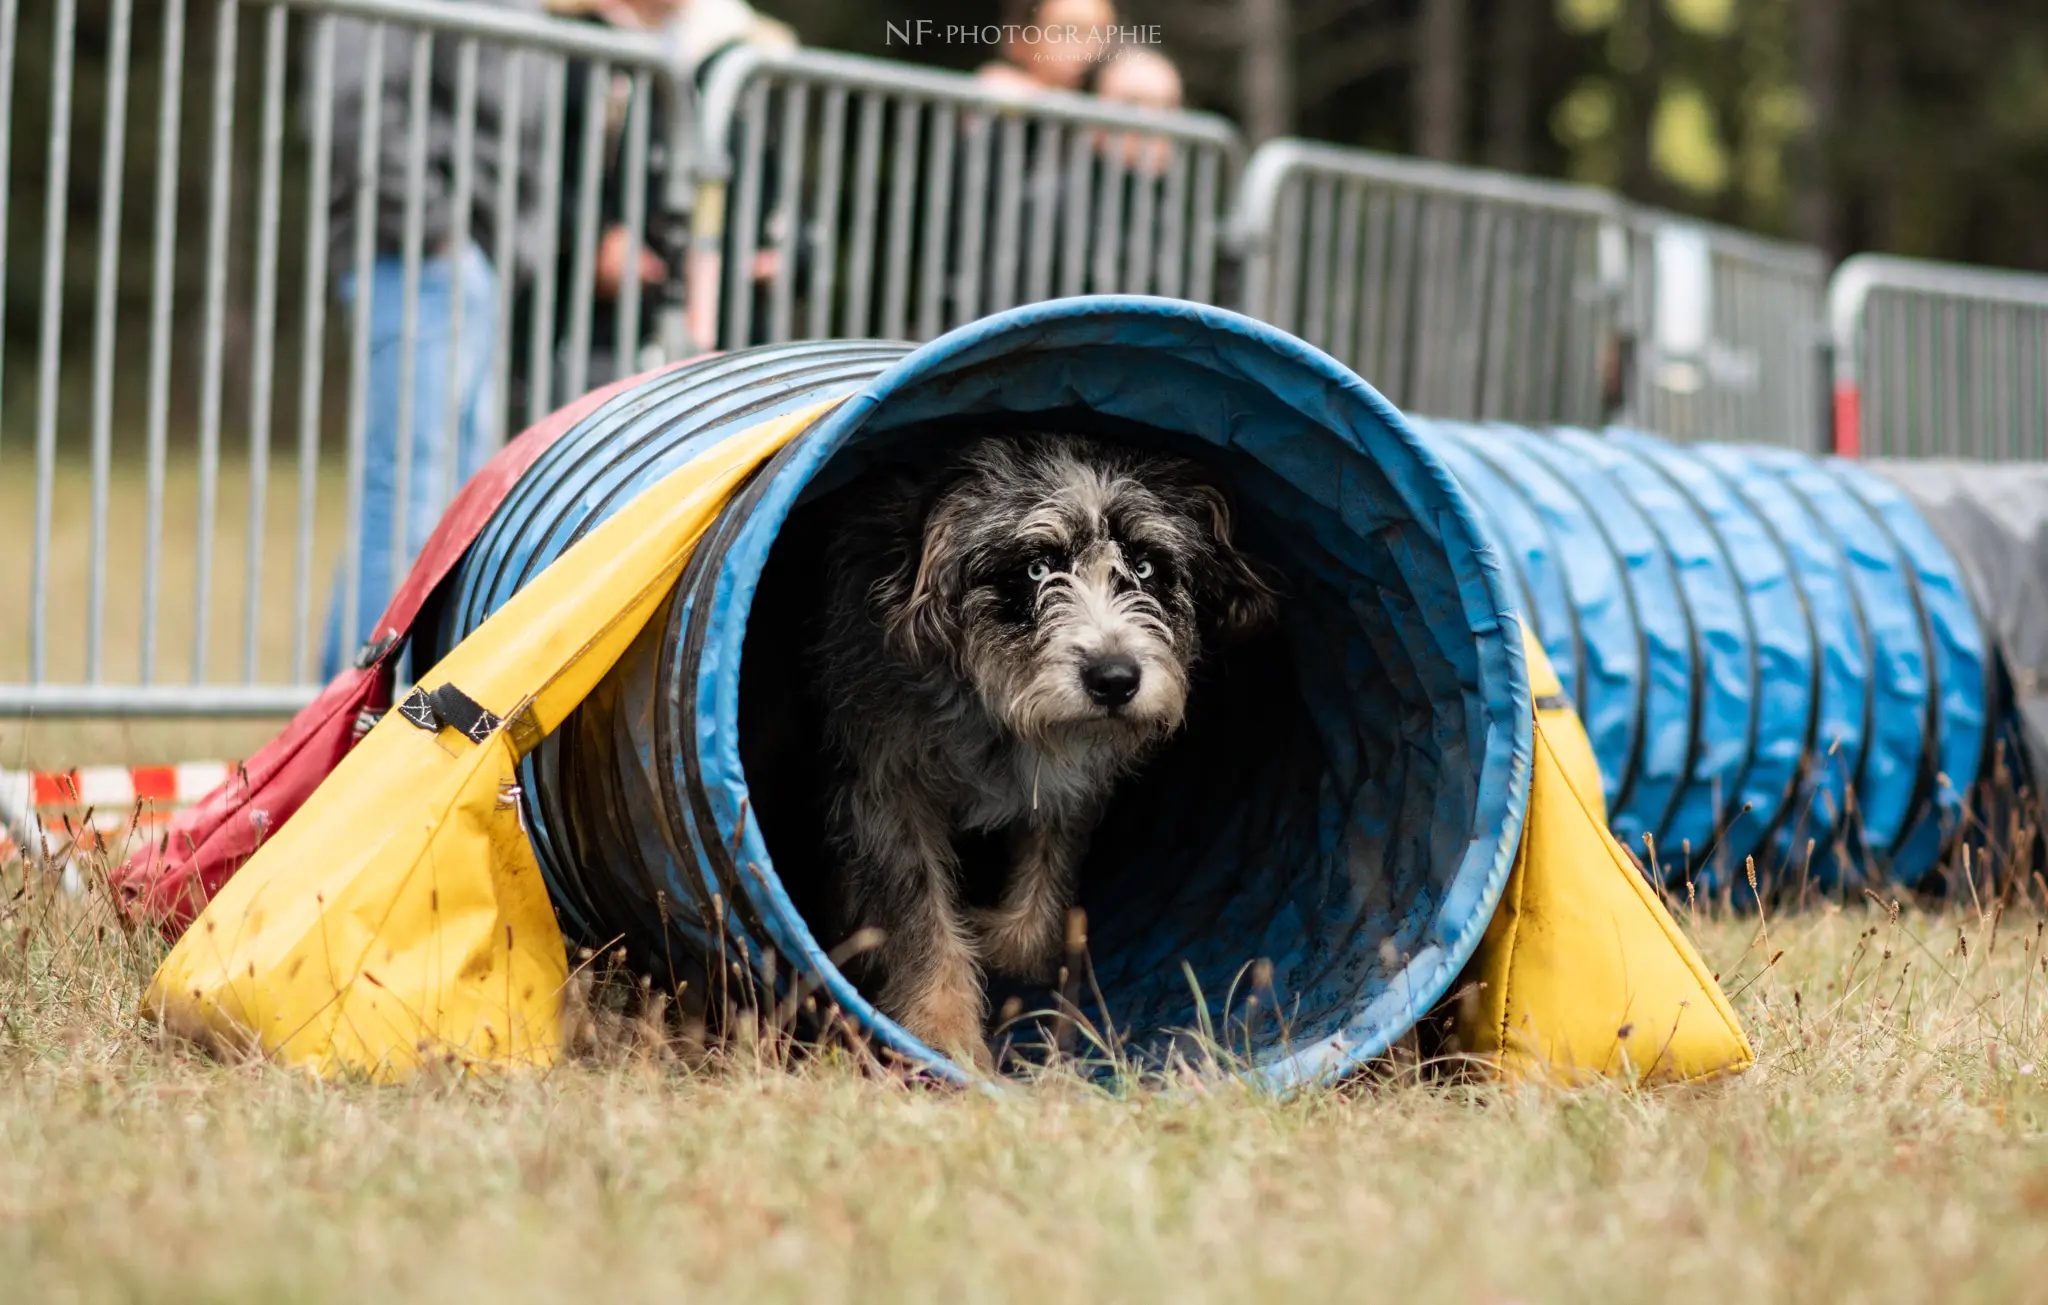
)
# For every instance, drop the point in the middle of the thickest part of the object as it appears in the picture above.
(1003, 640)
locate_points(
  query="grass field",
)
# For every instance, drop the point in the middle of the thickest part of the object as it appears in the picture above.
(1888, 1146)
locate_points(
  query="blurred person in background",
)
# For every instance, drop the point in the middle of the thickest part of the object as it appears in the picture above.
(1069, 40)
(1067, 55)
(1143, 78)
(440, 358)
(695, 33)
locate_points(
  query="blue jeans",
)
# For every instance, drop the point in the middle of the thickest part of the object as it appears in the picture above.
(427, 491)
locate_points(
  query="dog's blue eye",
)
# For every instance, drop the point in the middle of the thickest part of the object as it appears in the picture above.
(1040, 571)
(1143, 570)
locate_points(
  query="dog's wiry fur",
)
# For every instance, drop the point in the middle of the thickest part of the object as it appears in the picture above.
(965, 609)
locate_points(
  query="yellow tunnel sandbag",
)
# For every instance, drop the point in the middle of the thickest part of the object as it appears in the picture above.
(1583, 972)
(399, 918)
(1555, 713)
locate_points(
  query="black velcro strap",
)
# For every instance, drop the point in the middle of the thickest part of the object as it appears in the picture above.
(1553, 702)
(448, 707)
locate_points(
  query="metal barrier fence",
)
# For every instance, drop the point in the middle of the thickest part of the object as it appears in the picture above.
(1479, 295)
(1731, 335)
(1938, 359)
(1457, 293)
(847, 197)
(796, 193)
(327, 171)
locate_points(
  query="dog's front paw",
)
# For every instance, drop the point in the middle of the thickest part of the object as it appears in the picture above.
(949, 1020)
(1018, 943)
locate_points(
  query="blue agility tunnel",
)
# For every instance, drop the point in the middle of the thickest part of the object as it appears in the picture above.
(1344, 803)
(1774, 655)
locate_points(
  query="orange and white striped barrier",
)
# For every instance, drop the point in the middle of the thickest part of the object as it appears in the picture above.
(49, 814)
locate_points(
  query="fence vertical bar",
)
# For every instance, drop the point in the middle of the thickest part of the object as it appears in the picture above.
(356, 530)
(263, 349)
(1899, 380)
(1074, 233)
(162, 285)
(824, 237)
(938, 203)
(313, 339)
(1371, 293)
(1953, 321)
(2038, 374)
(626, 326)
(1144, 220)
(1106, 266)
(1476, 342)
(967, 282)
(1344, 296)
(1172, 257)
(1518, 277)
(1006, 261)
(902, 195)
(1398, 326)
(1322, 203)
(1202, 245)
(462, 194)
(113, 153)
(742, 233)
(412, 256)
(547, 272)
(51, 335)
(785, 226)
(1045, 211)
(583, 276)
(10, 26)
(1927, 395)
(211, 379)
(1283, 296)
(1432, 282)
(505, 244)
(1561, 285)
(1490, 342)
(857, 321)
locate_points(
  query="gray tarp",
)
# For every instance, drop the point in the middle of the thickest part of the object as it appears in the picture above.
(1994, 517)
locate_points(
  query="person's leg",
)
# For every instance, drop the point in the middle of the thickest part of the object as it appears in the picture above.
(370, 551)
(384, 559)
(482, 422)
(444, 458)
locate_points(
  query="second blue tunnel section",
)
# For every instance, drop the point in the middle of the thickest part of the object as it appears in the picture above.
(1774, 655)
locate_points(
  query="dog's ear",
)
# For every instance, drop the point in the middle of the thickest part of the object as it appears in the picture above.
(923, 598)
(1234, 593)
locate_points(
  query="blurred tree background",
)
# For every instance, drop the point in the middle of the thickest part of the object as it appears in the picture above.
(1917, 127)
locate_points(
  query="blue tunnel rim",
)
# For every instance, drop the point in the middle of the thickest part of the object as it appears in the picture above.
(1470, 442)
(1508, 450)
(1470, 894)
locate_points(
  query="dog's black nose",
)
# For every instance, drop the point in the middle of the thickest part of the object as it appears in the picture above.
(1110, 681)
